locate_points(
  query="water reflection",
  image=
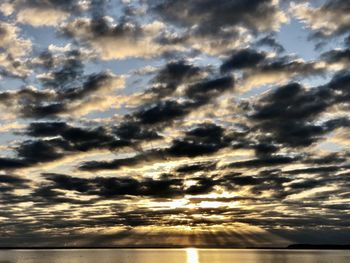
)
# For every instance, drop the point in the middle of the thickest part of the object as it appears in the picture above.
(189, 255)
(192, 255)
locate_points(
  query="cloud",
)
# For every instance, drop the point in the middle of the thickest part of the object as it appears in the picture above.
(13, 126)
(111, 187)
(41, 17)
(341, 136)
(133, 131)
(259, 68)
(195, 167)
(41, 13)
(163, 111)
(117, 40)
(202, 140)
(29, 95)
(135, 160)
(270, 41)
(263, 162)
(65, 88)
(245, 58)
(214, 28)
(337, 58)
(30, 102)
(196, 95)
(329, 20)
(232, 38)
(219, 16)
(171, 76)
(14, 48)
(12, 42)
(301, 107)
(57, 140)
(204, 91)
(12, 163)
(12, 182)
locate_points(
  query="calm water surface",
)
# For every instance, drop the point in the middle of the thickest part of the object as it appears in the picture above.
(174, 256)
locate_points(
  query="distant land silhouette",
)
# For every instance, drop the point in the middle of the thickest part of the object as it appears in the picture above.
(318, 246)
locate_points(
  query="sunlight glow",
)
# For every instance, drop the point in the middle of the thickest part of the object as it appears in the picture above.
(192, 255)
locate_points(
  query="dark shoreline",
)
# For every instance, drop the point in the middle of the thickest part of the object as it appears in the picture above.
(290, 247)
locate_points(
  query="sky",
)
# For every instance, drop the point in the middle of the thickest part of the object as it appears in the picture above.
(174, 123)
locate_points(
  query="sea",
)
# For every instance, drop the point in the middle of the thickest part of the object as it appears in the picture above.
(188, 255)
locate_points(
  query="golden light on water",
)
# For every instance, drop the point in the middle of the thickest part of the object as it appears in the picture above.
(192, 255)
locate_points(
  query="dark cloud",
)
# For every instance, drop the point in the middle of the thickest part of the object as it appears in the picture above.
(163, 111)
(24, 96)
(270, 41)
(91, 84)
(84, 139)
(272, 181)
(100, 26)
(59, 139)
(46, 195)
(316, 170)
(42, 111)
(211, 18)
(258, 68)
(207, 131)
(347, 41)
(177, 71)
(197, 95)
(304, 184)
(12, 163)
(45, 60)
(35, 103)
(173, 74)
(339, 82)
(204, 91)
(263, 162)
(245, 58)
(196, 167)
(192, 148)
(204, 139)
(164, 187)
(301, 107)
(37, 151)
(134, 131)
(45, 129)
(290, 66)
(232, 180)
(64, 75)
(203, 185)
(332, 158)
(12, 182)
(201, 140)
(337, 56)
(63, 86)
(118, 163)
